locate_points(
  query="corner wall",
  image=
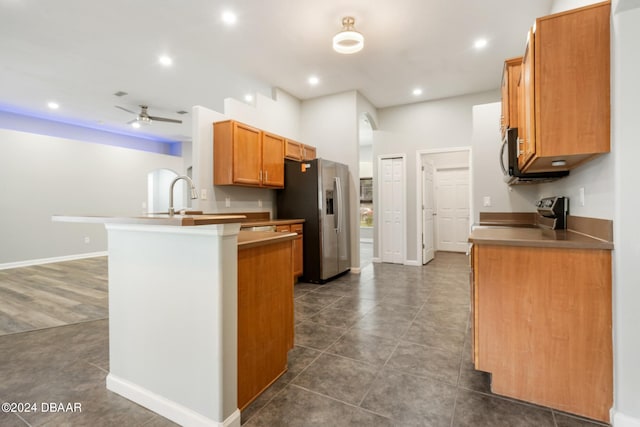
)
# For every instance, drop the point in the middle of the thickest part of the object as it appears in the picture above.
(626, 152)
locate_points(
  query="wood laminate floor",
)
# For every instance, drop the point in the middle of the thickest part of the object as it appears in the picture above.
(50, 295)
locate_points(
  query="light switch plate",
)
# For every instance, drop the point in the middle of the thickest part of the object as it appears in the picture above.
(486, 201)
(227, 202)
(203, 194)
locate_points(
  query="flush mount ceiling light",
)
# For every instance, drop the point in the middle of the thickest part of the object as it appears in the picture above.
(53, 105)
(348, 40)
(313, 80)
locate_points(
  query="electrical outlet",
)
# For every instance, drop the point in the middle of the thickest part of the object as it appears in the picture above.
(259, 203)
(203, 194)
(227, 202)
(87, 239)
(581, 196)
(486, 201)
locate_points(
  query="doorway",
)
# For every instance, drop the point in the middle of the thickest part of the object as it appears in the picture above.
(444, 201)
(428, 212)
(392, 208)
(158, 184)
(452, 219)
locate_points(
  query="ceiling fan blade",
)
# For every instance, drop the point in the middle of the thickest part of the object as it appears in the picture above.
(128, 111)
(132, 121)
(164, 119)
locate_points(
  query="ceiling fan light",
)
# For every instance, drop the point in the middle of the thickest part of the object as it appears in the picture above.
(135, 125)
(348, 40)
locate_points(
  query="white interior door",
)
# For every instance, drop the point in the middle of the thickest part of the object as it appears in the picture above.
(452, 219)
(428, 212)
(392, 206)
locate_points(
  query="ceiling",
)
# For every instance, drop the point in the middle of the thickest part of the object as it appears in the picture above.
(79, 53)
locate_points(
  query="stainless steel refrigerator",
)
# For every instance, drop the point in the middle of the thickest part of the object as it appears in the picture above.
(318, 192)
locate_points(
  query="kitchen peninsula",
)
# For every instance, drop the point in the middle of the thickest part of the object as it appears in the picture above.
(175, 311)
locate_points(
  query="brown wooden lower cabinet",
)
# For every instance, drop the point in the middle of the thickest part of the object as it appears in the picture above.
(265, 316)
(297, 246)
(542, 325)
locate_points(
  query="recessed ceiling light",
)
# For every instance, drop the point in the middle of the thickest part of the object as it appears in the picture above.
(248, 97)
(313, 80)
(165, 60)
(53, 105)
(417, 91)
(229, 17)
(135, 125)
(480, 43)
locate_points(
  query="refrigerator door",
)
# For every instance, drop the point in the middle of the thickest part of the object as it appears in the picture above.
(343, 236)
(329, 218)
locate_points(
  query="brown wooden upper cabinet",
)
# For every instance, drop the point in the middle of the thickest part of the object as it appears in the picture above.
(243, 155)
(509, 90)
(565, 87)
(298, 151)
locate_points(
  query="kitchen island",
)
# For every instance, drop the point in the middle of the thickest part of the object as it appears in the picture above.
(541, 313)
(173, 312)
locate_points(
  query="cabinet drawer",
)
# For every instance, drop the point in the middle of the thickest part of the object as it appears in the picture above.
(283, 228)
(296, 228)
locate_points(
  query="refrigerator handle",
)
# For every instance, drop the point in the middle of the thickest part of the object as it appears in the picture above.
(338, 210)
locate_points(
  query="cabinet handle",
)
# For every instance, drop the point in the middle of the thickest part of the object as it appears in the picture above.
(266, 176)
(260, 175)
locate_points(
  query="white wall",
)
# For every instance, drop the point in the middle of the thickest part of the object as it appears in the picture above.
(330, 123)
(487, 174)
(406, 129)
(562, 5)
(44, 175)
(626, 152)
(280, 116)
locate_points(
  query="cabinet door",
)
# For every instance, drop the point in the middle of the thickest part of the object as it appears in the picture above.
(308, 152)
(272, 160)
(247, 155)
(297, 250)
(292, 150)
(527, 140)
(514, 66)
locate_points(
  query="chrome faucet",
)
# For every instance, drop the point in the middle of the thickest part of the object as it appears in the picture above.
(194, 192)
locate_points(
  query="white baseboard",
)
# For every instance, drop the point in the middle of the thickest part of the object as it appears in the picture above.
(165, 407)
(413, 263)
(40, 261)
(376, 260)
(618, 419)
(355, 270)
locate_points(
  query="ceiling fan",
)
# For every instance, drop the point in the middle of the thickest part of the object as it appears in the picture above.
(143, 117)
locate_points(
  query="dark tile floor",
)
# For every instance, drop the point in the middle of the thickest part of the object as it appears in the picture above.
(388, 347)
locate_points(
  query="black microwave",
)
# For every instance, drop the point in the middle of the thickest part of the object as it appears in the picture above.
(512, 174)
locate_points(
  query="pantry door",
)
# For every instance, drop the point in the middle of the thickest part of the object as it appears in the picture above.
(392, 208)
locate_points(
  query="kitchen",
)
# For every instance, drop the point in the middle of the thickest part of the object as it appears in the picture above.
(597, 178)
